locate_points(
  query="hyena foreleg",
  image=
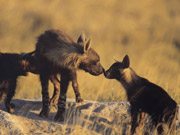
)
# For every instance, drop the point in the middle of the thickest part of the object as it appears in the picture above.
(45, 95)
(75, 86)
(56, 83)
(135, 121)
(65, 79)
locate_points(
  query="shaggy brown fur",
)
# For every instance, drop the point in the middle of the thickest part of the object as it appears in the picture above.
(57, 53)
(12, 66)
(144, 96)
(31, 65)
(10, 71)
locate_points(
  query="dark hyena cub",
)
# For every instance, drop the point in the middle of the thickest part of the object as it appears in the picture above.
(12, 66)
(144, 96)
(57, 53)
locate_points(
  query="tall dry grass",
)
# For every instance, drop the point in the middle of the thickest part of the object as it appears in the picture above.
(145, 30)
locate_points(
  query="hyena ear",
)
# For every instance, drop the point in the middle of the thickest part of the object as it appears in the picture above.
(82, 38)
(87, 45)
(126, 61)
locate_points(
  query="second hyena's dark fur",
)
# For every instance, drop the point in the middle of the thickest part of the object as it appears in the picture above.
(57, 53)
(12, 66)
(144, 97)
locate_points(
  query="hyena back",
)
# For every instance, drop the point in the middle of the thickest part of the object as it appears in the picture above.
(57, 53)
(144, 97)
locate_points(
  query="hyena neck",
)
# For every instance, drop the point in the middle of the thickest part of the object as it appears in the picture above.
(130, 79)
(67, 56)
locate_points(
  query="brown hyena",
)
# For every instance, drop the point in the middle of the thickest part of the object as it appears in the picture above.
(31, 66)
(12, 66)
(144, 97)
(57, 53)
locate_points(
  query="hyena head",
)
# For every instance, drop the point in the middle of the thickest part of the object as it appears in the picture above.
(90, 60)
(28, 62)
(117, 70)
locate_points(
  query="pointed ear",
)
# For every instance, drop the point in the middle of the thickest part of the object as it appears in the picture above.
(82, 38)
(126, 61)
(87, 45)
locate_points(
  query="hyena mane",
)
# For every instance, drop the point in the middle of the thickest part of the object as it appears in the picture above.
(59, 49)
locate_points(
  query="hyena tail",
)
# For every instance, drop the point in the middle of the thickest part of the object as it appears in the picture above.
(25, 55)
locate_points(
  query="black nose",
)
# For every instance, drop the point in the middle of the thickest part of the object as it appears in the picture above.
(105, 74)
(103, 70)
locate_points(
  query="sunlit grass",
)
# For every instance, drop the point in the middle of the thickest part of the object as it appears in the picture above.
(143, 31)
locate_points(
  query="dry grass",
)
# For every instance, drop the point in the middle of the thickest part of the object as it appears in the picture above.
(145, 30)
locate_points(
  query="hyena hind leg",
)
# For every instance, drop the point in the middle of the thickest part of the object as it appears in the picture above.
(134, 124)
(2, 96)
(75, 86)
(170, 119)
(56, 83)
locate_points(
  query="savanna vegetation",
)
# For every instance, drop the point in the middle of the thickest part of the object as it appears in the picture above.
(147, 30)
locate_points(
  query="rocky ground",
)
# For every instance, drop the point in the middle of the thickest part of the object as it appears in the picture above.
(87, 118)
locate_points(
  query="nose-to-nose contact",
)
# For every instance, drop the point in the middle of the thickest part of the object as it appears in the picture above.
(105, 74)
(103, 70)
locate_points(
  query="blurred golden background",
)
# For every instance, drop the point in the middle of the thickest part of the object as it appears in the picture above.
(147, 30)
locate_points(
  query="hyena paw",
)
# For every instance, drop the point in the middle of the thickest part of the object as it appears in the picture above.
(44, 113)
(9, 107)
(10, 110)
(53, 101)
(79, 100)
(59, 117)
